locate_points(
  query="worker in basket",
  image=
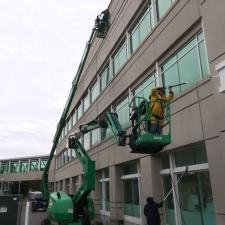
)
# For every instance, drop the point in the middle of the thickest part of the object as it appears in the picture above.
(158, 99)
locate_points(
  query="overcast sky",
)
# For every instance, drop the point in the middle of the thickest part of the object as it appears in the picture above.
(41, 45)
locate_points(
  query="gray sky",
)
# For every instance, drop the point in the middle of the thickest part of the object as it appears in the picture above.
(41, 45)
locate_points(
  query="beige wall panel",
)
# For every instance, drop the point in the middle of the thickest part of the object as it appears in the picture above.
(184, 100)
(216, 171)
(213, 12)
(122, 154)
(72, 169)
(103, 159)
(22, 176)
(116, 204)
(186, 127)
(210, 127)
(205, 88)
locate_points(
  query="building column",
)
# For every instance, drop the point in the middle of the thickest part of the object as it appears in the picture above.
(64, 186)
(116, 194)
(97, 193)
(150, 182)
(55, 186)
(71, 191)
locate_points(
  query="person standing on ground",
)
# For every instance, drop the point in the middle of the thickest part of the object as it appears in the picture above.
(151, 211)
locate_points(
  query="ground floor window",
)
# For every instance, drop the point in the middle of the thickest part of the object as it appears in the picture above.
(105, 197)
(131, 198)
(191, 199)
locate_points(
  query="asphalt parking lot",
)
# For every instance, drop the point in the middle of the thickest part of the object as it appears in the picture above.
(34, 218)
(37, 217)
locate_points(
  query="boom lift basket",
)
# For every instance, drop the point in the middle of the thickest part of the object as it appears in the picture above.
(141, 139)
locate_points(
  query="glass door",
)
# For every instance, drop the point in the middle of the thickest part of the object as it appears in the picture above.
(196, 202)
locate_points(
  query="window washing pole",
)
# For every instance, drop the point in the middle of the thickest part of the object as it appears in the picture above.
(174, 185)
(62, 121)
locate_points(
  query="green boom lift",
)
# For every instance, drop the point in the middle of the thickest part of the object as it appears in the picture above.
(79, 209)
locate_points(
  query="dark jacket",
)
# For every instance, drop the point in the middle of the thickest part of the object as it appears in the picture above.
(152, 213)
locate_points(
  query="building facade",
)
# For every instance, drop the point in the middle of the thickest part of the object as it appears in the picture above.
(154, 43)
(21, 175)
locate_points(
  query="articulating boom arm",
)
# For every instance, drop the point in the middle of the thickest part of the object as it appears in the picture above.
(88, 164)
(62, 122)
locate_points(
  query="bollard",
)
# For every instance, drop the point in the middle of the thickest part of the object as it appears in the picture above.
(27, 213)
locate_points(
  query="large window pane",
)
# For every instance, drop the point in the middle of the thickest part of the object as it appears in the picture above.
(104, 78)
(131, 198)
(145, 26)
(171, 77)
(145, 88)
(189, 73)
(94, 92)
(24, 166)
(188, 65)
(34, 165)
(163, 6)
(120, 58)
(43, 164)
(169, 204)
(86, 102)
(194, 155)
(122, 111)
(142, 29)
(14, 167)
(196, 199)
(79, 111)
(4, 168)
(87, 141)
(135, 39)
(95, 137)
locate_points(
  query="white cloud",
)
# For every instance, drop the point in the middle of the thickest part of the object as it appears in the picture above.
(41, 45)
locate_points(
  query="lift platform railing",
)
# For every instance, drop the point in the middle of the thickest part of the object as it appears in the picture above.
(142, 140)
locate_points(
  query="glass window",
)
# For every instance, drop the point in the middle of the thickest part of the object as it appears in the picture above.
(4, 168)
(14, 167)
(79, 111)
(24, 166)
(86, 102)
(105, 192)
(34, 165)
(120, 58)
(73, 154)
(165, 162)
(145, 88)
(163, 6)
(87, 141)
(105, 78)
(142, 29)
(94, 92)
(131, 197)
(95, 137)
(67, 185)
(70, 122)
(65, 157)
(188, 65)
(196, 199)
(43, 164)
(191, 156)
(169, 204)
(130, 169)
(74, 117)
(69, 154)
(122, 111)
